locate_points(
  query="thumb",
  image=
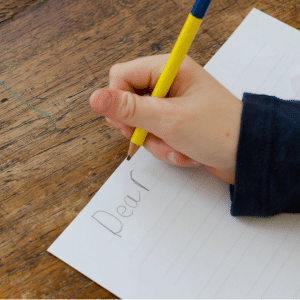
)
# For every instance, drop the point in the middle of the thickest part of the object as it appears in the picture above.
(155, 115)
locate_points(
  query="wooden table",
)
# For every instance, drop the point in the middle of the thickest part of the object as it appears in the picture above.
(55, 156)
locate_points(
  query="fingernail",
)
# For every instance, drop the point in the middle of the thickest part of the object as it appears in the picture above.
(100, 100)
(171, 157)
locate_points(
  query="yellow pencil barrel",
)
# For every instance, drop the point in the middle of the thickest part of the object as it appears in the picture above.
(172, 67)
(139, 136)
(177, 56)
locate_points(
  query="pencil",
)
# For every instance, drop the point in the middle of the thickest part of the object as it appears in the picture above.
(174, 62)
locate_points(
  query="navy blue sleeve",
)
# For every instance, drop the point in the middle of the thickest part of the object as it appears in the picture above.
(267, 177)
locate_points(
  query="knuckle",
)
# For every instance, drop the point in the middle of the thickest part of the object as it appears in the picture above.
(188, 59)
(128, 106)
(114, 71)
(188, 63)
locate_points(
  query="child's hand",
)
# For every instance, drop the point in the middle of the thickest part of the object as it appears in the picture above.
(198, 123)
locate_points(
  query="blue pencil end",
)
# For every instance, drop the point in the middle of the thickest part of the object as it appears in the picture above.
(200, 7)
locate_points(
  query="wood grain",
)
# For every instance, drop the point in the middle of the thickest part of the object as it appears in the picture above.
(10, 8)
(54, 57)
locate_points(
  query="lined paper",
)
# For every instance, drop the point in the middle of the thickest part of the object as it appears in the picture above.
(159, 231)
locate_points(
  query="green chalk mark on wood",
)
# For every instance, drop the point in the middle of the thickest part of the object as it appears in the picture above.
(41, 112)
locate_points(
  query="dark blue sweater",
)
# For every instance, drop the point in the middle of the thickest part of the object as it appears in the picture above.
(267, 178)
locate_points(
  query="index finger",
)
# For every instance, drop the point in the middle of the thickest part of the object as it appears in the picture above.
(141, 73)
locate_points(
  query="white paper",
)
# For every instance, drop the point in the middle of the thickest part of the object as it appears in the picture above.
(158, 231)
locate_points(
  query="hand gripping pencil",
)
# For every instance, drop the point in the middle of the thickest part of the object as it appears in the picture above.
(174, 62)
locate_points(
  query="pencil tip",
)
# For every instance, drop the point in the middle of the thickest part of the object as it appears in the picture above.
(128, 157)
